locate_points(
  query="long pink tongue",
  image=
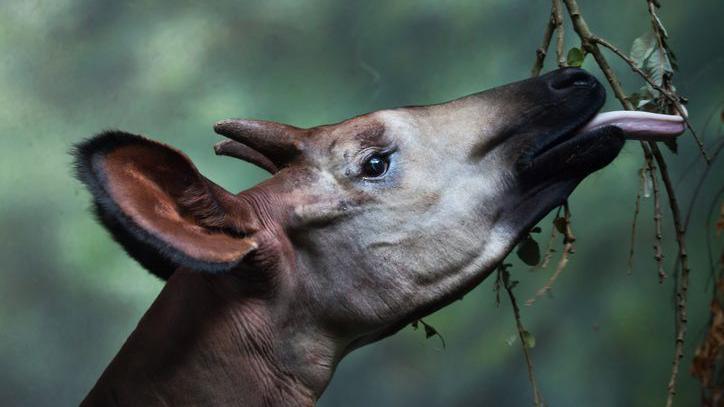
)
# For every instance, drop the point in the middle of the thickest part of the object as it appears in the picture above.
(640, 125)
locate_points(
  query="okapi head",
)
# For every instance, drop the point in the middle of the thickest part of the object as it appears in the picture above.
(364, 227)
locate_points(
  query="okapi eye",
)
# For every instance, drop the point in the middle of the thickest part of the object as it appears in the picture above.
(375, 166)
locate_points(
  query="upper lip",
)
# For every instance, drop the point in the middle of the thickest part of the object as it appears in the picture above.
(570, 130)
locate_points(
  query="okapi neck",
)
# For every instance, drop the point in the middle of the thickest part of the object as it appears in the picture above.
(201, 344)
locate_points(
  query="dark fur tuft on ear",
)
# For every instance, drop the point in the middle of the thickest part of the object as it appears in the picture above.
(199, 201)
(152, 253)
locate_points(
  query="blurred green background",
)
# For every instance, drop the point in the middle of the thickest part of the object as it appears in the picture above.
(69, 296)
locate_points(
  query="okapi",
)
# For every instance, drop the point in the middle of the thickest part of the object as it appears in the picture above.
(364, 227)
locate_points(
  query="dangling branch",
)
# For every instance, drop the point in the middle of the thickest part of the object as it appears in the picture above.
(637, 207)
(523, 334)
(671, 96)
(683, 278)
(549, 248)
(569, 239)
(560, 32)
(660, 36)
(658, 234)
(590, 43)
(540, 53)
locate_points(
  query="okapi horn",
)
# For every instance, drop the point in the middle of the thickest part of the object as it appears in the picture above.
(269, 145)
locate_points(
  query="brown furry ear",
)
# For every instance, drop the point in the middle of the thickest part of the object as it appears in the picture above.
(160, 208)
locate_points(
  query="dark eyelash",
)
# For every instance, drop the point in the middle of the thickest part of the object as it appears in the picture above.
(383, 151)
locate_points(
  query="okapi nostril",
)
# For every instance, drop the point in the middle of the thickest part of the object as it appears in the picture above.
(572, 78)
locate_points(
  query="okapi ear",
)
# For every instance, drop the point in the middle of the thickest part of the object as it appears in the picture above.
(158, 206)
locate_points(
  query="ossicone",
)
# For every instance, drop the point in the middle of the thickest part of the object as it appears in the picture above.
(269, 145)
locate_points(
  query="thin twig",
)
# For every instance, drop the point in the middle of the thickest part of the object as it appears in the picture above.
(540, 53)
(689, 211)
(700, 183)
(658, 234)
(630, 62)
(499, 283)
(581, 28)
(683, 280)
(537, 397)
(568, 240)
(717, 144)
(549, 251)
(637, 207)
(560, 32)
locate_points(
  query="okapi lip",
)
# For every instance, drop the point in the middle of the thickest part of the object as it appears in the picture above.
(575, 157)
(542, 144)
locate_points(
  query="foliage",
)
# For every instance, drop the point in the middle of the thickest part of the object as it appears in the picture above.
(575, 57)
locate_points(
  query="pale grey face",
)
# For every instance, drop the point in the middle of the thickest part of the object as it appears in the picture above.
(462, 181)
(412, 234)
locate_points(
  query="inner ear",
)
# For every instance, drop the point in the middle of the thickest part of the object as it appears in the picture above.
(160, 208)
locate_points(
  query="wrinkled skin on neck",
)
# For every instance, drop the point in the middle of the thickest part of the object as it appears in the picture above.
(336, 258)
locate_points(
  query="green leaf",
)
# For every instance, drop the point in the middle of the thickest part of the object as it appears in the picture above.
(653, 60)
(560, 223)
(429, 331)
(536, 229)
(575, 57)
(647, 105)
(644, 99)
(642, 47)
(528, 339)
(529, 251)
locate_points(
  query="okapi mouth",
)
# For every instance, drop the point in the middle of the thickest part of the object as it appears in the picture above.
(568, 152)
(574, 156)
(592, 141)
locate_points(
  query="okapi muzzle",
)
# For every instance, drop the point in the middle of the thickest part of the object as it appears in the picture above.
(363, 227)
